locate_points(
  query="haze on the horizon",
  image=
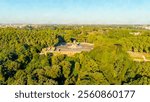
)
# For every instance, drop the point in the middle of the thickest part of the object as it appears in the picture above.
(75, 11)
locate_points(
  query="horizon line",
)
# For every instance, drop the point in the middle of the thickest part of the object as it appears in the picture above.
(70, 24)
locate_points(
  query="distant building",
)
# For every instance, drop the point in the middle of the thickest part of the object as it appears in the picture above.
(148, 27)
(145, 27)
(135, 33)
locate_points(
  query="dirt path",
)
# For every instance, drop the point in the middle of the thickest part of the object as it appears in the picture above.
(140, 57)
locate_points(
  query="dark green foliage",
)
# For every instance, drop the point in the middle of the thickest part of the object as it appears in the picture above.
(66, 67)
(54, 72)
(136, 44)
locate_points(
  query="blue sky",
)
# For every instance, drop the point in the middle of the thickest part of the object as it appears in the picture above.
(75, 11)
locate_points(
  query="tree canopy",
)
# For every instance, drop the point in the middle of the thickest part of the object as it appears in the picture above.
(107, 64)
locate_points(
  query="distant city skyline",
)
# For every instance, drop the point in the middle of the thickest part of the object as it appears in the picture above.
(74, 12)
